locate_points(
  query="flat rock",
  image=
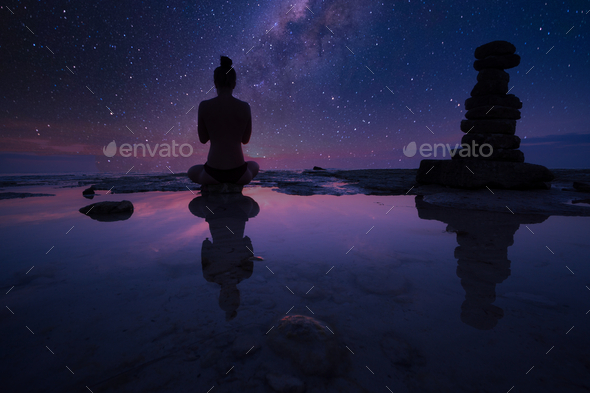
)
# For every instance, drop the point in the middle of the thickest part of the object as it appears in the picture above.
(510, 155)
(312, 348)
(493, 74)
(493, 126)
(494, 48)
(285, 383)
(501, 62)
(317, 168)
(487, 87)
(498, 141)
(108, 211)
(474, 173)
(582, 186)
(509, 100)
(13, 195)
(493, 112)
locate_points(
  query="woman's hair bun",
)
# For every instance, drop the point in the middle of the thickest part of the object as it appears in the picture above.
(225, 62)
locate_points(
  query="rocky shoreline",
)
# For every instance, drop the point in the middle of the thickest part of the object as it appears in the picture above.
(561, 199)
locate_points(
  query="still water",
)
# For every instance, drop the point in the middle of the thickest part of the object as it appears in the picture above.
(216, 294)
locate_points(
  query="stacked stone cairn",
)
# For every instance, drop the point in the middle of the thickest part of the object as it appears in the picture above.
(491, 119)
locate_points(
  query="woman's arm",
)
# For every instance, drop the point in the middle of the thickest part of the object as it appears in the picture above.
(248, 131)
(203, 133)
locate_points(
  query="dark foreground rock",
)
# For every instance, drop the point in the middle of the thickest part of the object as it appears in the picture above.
(108, 211)
(582, 186)
(471, 174)
(494, 48)
(312, 348)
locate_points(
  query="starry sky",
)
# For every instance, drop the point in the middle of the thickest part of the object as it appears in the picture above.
(334, 83)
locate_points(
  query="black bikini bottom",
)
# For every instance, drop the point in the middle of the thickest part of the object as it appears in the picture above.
(226, 175)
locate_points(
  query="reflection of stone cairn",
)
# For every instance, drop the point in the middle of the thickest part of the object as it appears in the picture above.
(492, 113)
(491, 119)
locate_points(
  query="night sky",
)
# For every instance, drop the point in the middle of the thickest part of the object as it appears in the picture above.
(335, 83)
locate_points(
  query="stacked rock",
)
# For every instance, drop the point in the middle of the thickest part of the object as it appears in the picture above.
(491, 120)
(491, 112)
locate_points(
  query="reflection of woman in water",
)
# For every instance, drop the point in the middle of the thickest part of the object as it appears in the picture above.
(227, 123)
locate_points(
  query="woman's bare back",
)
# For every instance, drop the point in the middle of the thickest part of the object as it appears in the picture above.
(227, 123)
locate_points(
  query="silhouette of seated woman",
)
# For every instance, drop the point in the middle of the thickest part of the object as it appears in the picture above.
(228, 259)
(227, 123)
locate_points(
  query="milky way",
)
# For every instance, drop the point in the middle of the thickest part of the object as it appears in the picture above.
(332, 83)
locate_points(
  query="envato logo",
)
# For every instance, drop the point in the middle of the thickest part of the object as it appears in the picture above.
(163, 150)
(463, 149)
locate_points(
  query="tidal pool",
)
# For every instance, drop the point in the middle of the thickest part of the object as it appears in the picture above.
(189, 293)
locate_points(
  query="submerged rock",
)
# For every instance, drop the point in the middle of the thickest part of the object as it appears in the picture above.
(285, 383)
(312, 348)
(582, 186)
(317, 168)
